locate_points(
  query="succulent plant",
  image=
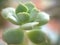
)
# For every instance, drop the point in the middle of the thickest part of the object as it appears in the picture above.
(29, 18)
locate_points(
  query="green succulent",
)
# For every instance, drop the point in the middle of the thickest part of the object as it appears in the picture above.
(29, 19)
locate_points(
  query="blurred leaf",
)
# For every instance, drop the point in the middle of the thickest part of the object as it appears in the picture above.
(30, 6)
(29, 26)
(13, 36)
(42, 18)
(33, 14)
(9, 14)
(21, 8)
(22, 18)
(36, 36)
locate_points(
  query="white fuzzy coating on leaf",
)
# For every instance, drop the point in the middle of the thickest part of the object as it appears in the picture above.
(46, 16)
(31, 24)
(8, 13)
(11, 17)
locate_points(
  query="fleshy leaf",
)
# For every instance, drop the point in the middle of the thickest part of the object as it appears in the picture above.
(29, 26)
(13, 36)
(30, 6)
(22, 18)
(42, 18)
(21, 8)
(9, 14)
(33, 14)
(36, 36)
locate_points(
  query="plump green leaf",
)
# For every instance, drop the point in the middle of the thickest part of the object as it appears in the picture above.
(13, 36)
(33, 14)
(43, 18)
(30, 6)
(29, 26)
(21, 8)
(9, 14)
(36, 36)
(22, 18)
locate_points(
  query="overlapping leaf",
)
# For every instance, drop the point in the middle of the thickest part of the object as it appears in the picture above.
(33, 14)
(30, 6)
(9, 14)
(22, 18)
(21, 8)
(42, 18)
